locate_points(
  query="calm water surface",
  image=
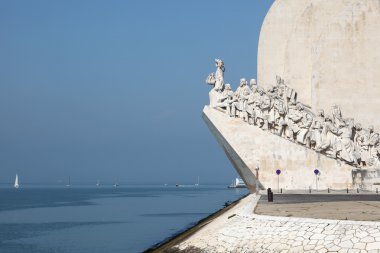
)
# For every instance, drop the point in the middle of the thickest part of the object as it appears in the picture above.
(101, 219)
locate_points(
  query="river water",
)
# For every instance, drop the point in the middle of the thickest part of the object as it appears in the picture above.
(126, 219)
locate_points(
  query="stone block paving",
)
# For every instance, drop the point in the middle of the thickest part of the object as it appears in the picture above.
(248, 232)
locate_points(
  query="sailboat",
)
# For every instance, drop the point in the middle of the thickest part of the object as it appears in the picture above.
(16, 182)
(197, 184)
(98, 183)
(68, 182)
(237, 183)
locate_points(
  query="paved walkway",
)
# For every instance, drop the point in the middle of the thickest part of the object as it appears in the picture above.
(240, 230)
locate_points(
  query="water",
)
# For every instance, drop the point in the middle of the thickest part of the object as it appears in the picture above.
(102, 219)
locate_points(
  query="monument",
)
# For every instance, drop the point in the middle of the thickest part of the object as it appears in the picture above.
(314, 105)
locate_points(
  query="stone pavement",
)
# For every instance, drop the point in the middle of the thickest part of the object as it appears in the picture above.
(240, 230)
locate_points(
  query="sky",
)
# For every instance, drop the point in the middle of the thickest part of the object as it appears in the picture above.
(114, 90)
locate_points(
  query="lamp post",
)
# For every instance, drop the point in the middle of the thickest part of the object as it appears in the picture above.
(316, 172)
(278, 172)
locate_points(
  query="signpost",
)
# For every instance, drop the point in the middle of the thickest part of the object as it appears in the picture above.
(316, 172)
(278, 172)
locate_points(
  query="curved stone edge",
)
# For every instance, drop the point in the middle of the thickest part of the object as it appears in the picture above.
(243, 170)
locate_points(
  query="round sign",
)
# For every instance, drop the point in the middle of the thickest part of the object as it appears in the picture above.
(316, 171)
(278, 172)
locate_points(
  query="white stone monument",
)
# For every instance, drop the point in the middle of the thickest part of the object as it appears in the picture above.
(313, 114)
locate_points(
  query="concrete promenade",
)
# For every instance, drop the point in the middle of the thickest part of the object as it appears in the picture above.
(241, 230)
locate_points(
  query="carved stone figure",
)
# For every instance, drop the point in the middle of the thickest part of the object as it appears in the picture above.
(253, 99)
(299, 124)
(262, 110)
(303, 136)
(372, 141)
(361, 146)
(345, 144)
(272, 115)
(316, 130)
(225, 99)
(337, 116)
(242, 93)
(278, 111)
(216, 80)
(329, 138)
(219, 75)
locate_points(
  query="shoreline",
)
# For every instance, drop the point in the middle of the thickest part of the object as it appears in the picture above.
(167, 244)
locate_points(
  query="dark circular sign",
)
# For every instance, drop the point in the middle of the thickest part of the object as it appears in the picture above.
(278, 172)
(316, 171)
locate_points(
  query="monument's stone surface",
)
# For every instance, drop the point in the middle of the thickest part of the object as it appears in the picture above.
(257, 154)
(314, 107)
(326, 50)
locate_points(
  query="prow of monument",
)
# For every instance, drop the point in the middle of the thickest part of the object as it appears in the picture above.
(312, 114)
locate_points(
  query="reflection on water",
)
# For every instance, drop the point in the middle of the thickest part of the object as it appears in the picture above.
(102, 219)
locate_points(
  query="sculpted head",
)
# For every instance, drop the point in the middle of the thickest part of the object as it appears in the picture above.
(252, 82)
(371, 129)
(358, 127)
(243, 82)
(227, 87)
(300, 107)
(219, 63)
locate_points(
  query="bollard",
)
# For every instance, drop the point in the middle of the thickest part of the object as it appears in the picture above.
(270, 195)
(309, 189)
(357, 190)
(347, 190)
(377, 190)
(281, 190)
(328, 190)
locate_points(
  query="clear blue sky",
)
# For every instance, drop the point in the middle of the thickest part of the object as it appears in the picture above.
(114, 90)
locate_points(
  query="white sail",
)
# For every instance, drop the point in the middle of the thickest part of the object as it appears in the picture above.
(197, 184)
(237, 183)
(16, 182)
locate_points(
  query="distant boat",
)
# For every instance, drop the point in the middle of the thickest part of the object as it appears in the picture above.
(237, 183)
(116, 185)
(98, 183)
(197, 184)
(68, 182)
(16, 182)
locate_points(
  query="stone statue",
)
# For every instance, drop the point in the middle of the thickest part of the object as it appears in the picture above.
(361, 146)
(216, 80)
(242, 93)
(303, 135)
(337, 116)
(316, 130)
(253, 98)
(219, 75)
(225, 98)
(262, 110)
(372, 141)
(278, 111)
(345, 144)
(329, 138)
